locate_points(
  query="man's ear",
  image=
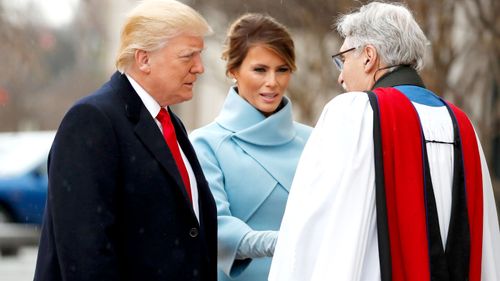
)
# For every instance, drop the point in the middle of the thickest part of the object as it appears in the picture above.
(142, 61)
(371, 58)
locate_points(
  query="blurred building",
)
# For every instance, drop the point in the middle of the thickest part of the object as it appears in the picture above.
(47, 67)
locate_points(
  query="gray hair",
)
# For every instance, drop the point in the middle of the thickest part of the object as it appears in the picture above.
(390, 28)
(152, 23)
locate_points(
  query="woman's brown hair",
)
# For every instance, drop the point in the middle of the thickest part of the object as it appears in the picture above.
(257, 29)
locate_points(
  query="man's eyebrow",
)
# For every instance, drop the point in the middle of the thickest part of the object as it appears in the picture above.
(188, 51)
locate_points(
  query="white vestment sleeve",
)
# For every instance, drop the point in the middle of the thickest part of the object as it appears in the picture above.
(329, 227)
(491, 234)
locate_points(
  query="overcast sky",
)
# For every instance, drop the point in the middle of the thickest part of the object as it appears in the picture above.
(53, 13)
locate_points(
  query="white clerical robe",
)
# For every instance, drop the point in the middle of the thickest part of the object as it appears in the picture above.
(329, 230)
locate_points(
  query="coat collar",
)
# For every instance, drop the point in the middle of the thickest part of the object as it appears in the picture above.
(250, 125)
(407, 81)
(403, 75)
(124, 89)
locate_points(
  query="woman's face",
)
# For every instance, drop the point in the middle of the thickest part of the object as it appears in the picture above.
(262, 79)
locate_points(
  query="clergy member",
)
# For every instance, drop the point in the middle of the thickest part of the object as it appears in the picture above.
(393, 183)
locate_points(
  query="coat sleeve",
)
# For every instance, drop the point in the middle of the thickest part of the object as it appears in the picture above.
(231, 230)
(329, 228)
(82, 198)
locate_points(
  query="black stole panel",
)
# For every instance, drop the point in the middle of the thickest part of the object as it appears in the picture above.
(384, 248)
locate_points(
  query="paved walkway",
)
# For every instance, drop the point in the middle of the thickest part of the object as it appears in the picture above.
(20, 267)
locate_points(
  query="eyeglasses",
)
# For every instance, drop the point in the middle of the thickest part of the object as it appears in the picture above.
(339, 61)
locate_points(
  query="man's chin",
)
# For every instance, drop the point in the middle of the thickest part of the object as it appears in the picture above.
(187, 96)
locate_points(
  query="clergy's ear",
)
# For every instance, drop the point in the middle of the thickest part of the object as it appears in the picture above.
(141, 58)
(371, 57)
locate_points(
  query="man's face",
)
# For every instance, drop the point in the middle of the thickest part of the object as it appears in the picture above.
(174, 68)
(353, 76)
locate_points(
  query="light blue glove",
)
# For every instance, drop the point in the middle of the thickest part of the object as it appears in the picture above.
(257, 244)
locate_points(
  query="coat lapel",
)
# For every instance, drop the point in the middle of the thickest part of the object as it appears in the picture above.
(278, 162)
(188, 150)
(146, 129)
(152, 139)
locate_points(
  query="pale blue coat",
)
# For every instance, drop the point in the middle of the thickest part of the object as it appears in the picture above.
(249, 162)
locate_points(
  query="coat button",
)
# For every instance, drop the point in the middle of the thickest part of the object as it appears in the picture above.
(193, 232)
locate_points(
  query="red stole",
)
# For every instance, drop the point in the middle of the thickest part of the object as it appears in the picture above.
(402, 147)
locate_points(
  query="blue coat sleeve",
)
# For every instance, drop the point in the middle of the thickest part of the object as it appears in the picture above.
(231, 230)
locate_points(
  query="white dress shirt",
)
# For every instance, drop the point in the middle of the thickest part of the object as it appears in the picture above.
(154, 108)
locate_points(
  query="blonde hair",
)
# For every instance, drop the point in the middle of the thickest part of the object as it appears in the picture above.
(152, 23)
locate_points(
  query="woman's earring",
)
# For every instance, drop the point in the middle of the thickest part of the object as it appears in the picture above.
(235, 82)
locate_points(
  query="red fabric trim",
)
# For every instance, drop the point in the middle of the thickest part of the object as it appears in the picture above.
(404, 185)
(474, 190)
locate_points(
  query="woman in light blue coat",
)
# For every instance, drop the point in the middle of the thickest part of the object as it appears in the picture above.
(250, 152)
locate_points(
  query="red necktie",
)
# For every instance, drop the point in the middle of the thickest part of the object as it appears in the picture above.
(171, 139)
